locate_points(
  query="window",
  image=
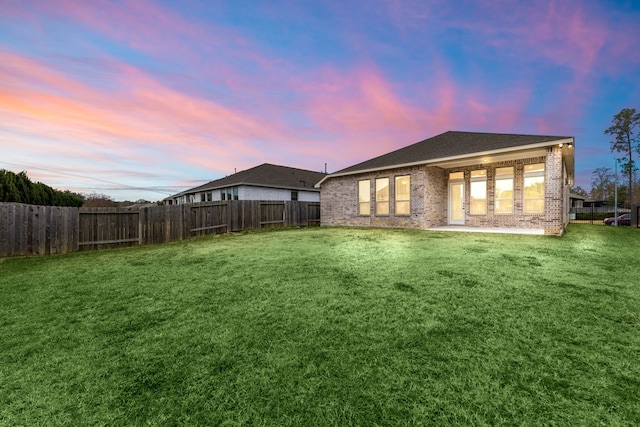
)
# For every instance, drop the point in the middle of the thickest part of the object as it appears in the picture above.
(382, 196)
(534, 188)
(364, 197)
(403, 195)
(456, 176)
(479, 192)
(229, 193)
(294, 195)
(504, 191)
(203, 197)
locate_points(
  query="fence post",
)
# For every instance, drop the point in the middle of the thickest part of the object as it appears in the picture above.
(142, 217)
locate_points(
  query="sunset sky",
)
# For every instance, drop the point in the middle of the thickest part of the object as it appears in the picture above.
(143, 99)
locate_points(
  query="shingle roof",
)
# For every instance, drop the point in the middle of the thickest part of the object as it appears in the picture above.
(447, 145)
(265, 175)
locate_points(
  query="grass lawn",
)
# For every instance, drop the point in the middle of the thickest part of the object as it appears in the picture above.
(327, 327)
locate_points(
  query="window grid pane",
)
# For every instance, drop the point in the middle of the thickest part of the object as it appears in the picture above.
(504, 206)
(533, 188)
(504, 195)
(382, 196)
(365, 208)
(534, 206)
(382, 208)
(403, 195)
(478, 198)
(364, 197)
(535, 168)
(403, 208)
(504, 171)
(478, 192)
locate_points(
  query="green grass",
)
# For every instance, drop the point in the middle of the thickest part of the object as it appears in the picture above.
(328, 327)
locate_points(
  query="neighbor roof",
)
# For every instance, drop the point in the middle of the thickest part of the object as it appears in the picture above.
(265, 175)
(450, 145)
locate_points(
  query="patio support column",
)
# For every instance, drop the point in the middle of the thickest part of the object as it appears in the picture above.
(554, 192)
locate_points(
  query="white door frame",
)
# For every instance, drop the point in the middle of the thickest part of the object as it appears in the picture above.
(457, 221)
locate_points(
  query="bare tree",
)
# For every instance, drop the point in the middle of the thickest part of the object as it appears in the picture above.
(602, 183)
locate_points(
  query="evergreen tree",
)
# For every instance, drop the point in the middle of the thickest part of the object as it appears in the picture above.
(626, 140)
(18, 188)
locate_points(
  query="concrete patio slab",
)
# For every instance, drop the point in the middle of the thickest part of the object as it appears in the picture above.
(461, 228)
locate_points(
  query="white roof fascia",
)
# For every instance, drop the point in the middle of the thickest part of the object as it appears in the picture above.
(450, 158)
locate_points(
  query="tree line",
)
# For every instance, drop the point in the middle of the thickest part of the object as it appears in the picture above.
(18, 188)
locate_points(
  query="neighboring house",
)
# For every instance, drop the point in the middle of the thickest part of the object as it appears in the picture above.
(597, 203)
(457, 178)
(264, 182)
(577, 201)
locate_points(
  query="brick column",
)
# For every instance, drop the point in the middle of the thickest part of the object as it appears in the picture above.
(554, 192)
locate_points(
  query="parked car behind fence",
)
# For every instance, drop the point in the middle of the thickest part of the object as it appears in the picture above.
(622, 220)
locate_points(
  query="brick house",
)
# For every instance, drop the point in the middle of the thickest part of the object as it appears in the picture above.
(263, 182)
(464, 179)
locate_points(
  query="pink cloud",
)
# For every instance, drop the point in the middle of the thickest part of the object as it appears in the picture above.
(141, 24)
(579, 35)
(566, 34)
(500, 113)
(361, 108)
(138, 116)
(151, 28)
(366, 115)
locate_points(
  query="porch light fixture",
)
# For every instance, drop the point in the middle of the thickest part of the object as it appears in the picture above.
(560, 145)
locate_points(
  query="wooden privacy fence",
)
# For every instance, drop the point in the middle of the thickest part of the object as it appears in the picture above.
(37, 230)
(44, 230)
